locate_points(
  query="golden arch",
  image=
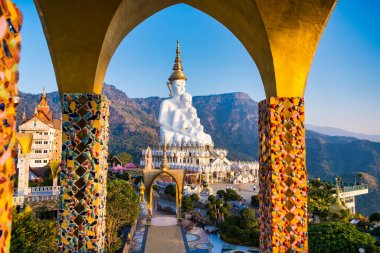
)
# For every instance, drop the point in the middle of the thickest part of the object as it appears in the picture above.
(150, 177)
(280, 35)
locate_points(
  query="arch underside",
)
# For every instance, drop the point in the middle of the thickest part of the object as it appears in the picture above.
(280, 35)
(151, 176)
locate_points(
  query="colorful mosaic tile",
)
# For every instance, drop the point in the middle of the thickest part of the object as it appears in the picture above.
(283, 192)
(10, 45)
(83, 176)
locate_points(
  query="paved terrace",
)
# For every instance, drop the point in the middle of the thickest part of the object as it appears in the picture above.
(164, 236)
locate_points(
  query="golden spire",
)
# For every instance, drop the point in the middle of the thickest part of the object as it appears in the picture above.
(142, 191)
(338, 201)
(164, 164)
(24, 116)
(177, 68)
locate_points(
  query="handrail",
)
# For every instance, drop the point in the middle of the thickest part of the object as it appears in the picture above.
(355, 188)
(45, 189)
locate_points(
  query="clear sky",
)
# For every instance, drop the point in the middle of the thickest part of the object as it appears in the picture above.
(343, 88)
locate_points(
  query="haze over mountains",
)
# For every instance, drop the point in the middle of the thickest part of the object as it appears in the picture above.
(332, 131)
(231, 119)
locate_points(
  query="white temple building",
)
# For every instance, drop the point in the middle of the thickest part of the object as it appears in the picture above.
(188, 146)
(46, 145)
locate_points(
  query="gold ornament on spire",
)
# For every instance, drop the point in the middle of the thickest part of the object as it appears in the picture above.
(177, 68)
(142, 191)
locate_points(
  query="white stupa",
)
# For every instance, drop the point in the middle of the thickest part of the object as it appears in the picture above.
(188, 146)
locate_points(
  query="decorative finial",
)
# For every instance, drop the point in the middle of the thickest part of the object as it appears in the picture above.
(142, 191)
(164, 164)
(177, 68)
(43, 92)
(24, 115)
(338, 201)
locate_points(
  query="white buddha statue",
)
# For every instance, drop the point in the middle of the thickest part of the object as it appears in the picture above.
(177, 117)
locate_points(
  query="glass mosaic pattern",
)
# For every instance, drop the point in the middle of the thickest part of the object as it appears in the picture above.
(283, 186)
(83, 177)
(10, 45)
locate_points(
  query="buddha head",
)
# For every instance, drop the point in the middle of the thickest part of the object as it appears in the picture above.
(197, 122)
(192, 113)
(186, 100)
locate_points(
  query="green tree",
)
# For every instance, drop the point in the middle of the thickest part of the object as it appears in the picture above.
(170, 190)
(320, 198)
(194, 197)
(374, 217)
(212, 215)
(255, 201)
(232, 195)
(125, 175)
(221, 193)
(125, 157)
(248, 218)
(233, 230)
(187, 204)
(122, 210)
(338, 237)
(376, 231)
(212, 199)
(30, 235)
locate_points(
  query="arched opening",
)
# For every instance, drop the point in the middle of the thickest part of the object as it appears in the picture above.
(163, 193)
(271, 40)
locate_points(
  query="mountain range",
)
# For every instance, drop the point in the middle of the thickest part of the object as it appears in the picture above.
(332, 131)
(232, 121)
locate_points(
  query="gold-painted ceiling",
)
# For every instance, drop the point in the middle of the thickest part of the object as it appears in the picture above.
(280, 35)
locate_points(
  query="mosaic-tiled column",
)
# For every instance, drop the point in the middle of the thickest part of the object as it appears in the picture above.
(10, 45)
(103, 173)
(83, 176)
(283, 193)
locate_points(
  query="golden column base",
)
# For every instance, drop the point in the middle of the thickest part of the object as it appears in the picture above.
(283, 186)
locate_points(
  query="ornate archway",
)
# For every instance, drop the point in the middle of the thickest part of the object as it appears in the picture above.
(280, 35)
(151, 176)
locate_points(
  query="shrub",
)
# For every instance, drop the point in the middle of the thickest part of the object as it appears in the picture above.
(338, 237)
(170, 190)
(255, 201)
(194, 197)
(374, 217)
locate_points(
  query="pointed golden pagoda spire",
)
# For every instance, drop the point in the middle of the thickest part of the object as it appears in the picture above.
(24, 116)
(338, 201)
(164, 163)
(177, 68)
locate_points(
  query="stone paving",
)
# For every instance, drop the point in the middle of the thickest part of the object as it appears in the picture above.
(164, 237)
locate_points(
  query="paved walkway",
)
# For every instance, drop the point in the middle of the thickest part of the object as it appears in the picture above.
(164, 237)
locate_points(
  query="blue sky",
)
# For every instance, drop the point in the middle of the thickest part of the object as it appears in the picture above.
(343, 87)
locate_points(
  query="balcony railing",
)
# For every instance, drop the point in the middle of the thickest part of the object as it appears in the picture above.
(41, 198)
(44, 189)
(355, 188)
